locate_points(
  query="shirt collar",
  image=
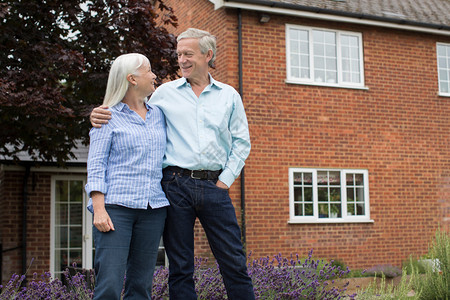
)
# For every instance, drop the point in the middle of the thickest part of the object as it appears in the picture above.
(212, 82)
(122, 106)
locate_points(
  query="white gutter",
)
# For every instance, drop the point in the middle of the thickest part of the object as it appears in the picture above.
(321, 16)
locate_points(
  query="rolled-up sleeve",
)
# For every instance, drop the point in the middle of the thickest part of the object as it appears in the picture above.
(99, 149)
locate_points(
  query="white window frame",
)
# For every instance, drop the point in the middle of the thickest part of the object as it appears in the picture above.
(87, 257)
(311, 81)
(293, 219)
(441, 68)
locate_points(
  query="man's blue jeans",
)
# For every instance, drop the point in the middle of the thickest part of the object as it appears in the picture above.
(132, 248)
(191, 198)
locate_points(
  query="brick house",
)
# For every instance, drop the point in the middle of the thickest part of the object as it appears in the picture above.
(349, 114)
(348, 108)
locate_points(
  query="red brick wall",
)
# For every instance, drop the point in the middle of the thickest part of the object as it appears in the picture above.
(398, 130)
(38, 221)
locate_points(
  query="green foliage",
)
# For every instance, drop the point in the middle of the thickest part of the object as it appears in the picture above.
(435, 283)
(55, 57)
(414, 264)
(382, 291)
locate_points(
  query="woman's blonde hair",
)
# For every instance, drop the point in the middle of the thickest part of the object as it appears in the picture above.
(118, 83)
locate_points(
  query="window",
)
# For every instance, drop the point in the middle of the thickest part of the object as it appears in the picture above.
(71, 225)
(324, 57)
(328, 196)
(443, 60)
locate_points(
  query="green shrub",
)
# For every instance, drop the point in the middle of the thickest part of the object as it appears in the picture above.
(415, 264)
(435, 283)
(404, 290)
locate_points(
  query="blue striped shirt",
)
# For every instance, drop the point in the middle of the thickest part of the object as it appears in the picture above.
(209, 132)
(125, 158)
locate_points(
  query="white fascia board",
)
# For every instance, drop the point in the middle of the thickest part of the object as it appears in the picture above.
(45, 169)
(320, 16)
(217, 3)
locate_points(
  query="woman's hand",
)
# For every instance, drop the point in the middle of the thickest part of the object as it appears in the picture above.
(102, 221)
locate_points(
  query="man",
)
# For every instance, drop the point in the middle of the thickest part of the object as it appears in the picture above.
(207, 144)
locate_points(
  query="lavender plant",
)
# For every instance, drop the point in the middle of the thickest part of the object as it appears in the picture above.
(44, 287)
(276, 278)
(283, 278)
(387, 270)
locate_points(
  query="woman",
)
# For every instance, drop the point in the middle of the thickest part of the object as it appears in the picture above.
(124, 175)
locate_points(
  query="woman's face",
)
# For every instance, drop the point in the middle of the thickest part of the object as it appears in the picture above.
(145, 79)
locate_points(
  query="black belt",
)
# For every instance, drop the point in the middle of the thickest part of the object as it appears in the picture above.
(196, 174)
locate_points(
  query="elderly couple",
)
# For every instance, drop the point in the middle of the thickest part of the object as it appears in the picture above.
(155, 167)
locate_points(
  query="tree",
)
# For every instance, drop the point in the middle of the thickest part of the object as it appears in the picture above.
(55, 57)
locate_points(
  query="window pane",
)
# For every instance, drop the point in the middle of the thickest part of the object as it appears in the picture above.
(444, 87)
(322, 194)
(298, 194)
(298, 210)
(331, 64)
(331, 77)
(335, 211)
(308, 196)
(350, 209)
(320, 76)
(349, 179)
(62, 191)
(359, 179)
(319, 63)
(335, 194)
(62, 258)
(323, 210)
(307, 178)
(322, 177)
(297, 178)
(360, 209)
(294, 34)
(76, 191)
(295, 60)
(309, 210)
(441, 50)
(443, 75)
(304, 62)
(359, 194)
(76, 214)
(318, 36)
(335, 177)
(61, 211)
(76, 257)
(295, 46)
(61, 237)
(76, 237)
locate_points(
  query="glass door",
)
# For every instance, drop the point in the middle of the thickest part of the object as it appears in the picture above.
(71, 228)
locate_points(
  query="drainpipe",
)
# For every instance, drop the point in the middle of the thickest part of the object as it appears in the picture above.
(241, 92)
(24, 219)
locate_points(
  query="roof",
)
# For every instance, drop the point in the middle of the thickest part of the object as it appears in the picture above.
(432, 14)
(80, 151)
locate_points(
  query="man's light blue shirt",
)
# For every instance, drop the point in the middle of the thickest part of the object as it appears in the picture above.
(209, 132)
(125, 158)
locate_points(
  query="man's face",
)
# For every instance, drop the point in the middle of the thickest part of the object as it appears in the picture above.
(193, 63)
